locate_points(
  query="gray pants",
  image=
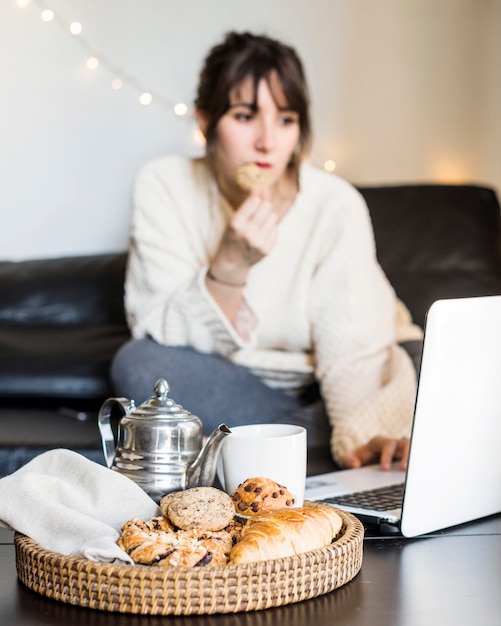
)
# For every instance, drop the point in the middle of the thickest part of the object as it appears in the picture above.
(217, 390)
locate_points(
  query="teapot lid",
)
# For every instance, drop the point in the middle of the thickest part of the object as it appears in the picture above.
(160, 405)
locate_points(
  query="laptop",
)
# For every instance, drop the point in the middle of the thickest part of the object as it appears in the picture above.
(454, 469)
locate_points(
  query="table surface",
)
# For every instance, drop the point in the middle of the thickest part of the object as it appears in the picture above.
(451, 577)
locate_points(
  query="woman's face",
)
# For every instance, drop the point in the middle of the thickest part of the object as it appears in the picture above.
(264, 132)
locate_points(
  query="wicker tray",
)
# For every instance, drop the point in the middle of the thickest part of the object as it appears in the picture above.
(191, 591)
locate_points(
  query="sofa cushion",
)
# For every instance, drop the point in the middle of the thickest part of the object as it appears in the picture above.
(437, 241)
(70, 291)
(61, 320)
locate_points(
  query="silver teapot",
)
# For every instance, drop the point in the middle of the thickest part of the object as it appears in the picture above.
(159, 444)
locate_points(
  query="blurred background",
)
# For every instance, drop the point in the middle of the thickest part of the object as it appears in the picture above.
(402, 91)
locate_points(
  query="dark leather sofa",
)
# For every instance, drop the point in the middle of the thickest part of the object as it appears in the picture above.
(61, 320)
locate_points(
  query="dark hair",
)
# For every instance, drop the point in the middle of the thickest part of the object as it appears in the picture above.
(243, 55)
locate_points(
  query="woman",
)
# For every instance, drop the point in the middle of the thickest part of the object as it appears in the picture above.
(265, 305)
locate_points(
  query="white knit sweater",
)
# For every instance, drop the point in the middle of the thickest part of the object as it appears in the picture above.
(321, 303)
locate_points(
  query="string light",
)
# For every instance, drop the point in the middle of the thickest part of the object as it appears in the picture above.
(198, 137)
(75, 28)
(180, 109)
(329, 165)
(96, 58)
(92, 63)
(47, 15)
(145, 98)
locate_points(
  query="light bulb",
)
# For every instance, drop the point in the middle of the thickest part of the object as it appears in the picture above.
(47, 15)
(92, 63)
(180, 109)
(145, 98)
(198, 137)
(22, 4)
(116, 83)
(329, 165)
(75, 28)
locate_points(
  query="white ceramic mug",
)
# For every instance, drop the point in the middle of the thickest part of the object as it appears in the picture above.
(276, 451)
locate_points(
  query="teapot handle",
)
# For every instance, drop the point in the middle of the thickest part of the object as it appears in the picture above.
(103, 422)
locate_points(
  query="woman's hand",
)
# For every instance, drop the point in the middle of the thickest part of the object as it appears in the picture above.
(379, 449)
(249, 236)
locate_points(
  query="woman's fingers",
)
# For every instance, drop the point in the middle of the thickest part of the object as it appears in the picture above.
(254, 212)
(255, 225)
(384, 450)
(389, 450)
(387, 454)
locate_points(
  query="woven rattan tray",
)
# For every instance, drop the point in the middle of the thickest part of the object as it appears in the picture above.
(196, 590)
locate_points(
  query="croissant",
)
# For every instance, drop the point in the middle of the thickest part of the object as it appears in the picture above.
(286, 532)
(158, 542)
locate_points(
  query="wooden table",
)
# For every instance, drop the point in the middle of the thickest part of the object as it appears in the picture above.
(449, 578)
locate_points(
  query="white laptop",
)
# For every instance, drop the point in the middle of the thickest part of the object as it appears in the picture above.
(454, 469)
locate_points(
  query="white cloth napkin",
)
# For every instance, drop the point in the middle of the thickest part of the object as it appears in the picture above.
(71, 505)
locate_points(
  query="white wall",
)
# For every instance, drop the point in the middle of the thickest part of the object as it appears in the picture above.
(403, 91)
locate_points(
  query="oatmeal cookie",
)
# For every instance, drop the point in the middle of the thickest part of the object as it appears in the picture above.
(250, 176)
(203, 508)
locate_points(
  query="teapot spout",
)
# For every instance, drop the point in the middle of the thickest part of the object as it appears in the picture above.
(202, 471)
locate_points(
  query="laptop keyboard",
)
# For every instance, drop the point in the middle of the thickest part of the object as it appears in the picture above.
(380, 499)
